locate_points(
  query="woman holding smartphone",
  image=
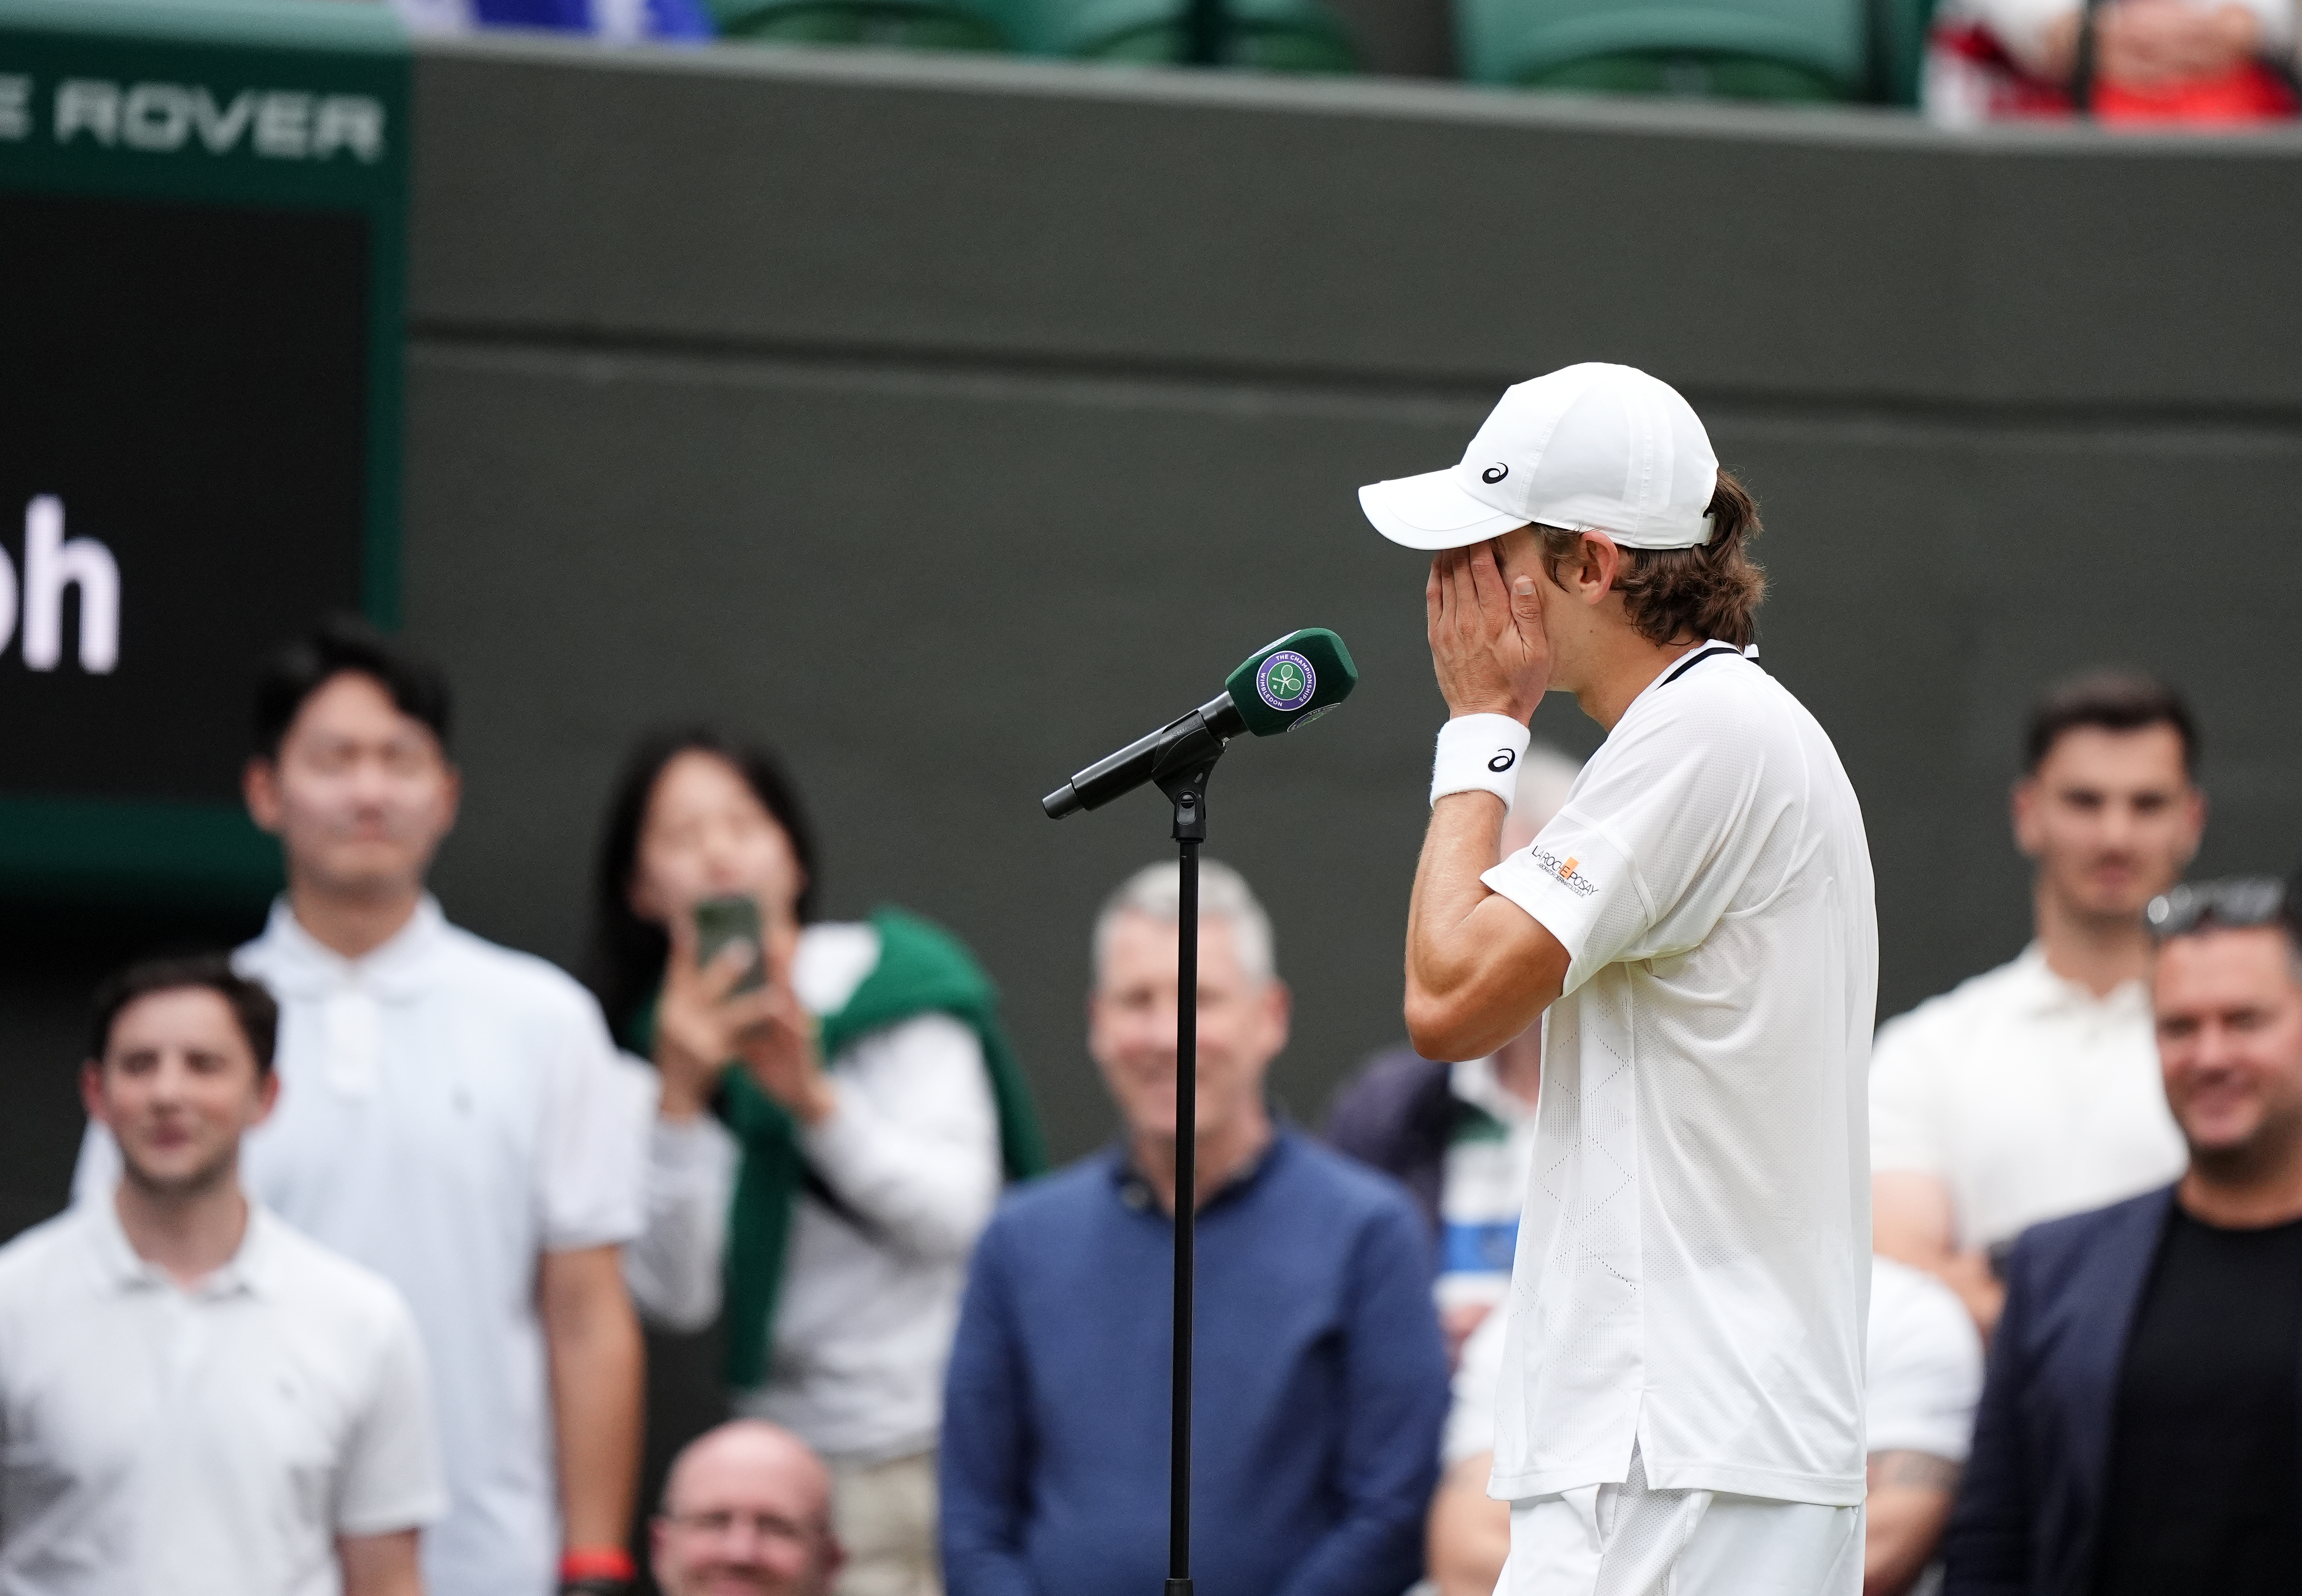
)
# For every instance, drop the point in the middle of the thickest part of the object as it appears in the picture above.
(837, 1111)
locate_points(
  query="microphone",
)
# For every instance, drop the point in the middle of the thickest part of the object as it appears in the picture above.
(1280, 687)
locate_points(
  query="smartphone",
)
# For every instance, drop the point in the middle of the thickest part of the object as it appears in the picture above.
(736, 917)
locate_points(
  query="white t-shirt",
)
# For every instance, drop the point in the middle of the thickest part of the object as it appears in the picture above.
(1924, 1372)
(2026, 1094)
(1926, 1365)
(1482, 1186)
(160, 1441)
(864, 1321)
(1695, 1256)
(449, 1111)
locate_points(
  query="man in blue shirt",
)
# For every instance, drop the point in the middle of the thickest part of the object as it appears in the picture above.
(1320, 1383)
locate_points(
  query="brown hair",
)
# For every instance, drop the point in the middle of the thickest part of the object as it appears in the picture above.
(2115, 700)
(1712, 589)
(252, 1005)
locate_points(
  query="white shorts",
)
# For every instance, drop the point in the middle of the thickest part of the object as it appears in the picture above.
(1628, 1540)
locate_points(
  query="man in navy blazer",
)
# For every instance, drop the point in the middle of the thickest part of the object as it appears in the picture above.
(2141, 1425)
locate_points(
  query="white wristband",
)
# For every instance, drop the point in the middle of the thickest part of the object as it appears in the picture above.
(1478, 753)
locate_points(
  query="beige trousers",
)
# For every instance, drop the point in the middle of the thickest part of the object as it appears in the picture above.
(885, 1516)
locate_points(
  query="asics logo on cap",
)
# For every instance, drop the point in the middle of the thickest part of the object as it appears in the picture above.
(1503, 760)
(1494, 473)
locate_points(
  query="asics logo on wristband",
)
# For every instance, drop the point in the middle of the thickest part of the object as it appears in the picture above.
(1503, 760)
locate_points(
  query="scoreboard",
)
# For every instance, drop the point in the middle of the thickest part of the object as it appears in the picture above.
(203, 218)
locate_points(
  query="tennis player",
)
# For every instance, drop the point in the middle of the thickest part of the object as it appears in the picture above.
(1681, 1408)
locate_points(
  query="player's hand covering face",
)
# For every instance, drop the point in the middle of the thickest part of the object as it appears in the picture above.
(1488, 644)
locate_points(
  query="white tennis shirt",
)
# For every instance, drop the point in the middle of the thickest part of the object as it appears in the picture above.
(449, 1111)
(1695, 1262)
(209, 1441)
(2027, 1096)
(1923, 1373)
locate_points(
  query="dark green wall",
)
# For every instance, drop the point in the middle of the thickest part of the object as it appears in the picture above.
(949, 422)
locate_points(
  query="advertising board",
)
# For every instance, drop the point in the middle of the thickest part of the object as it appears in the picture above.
(204, 204)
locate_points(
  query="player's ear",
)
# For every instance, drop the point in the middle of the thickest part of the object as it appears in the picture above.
(1601, 561)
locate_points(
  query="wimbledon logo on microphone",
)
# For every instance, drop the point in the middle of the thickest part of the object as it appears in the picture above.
(1285, 680)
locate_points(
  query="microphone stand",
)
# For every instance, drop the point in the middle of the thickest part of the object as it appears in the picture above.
(1182, 772)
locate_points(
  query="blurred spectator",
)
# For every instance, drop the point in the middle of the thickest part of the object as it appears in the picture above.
(2138, 1434)
(1461, 1136)
(1925, 1371)
(194, 1398)
(745, 1507)
(2032, 1091)
(616, 20)
(1320, 1383)
(2198, 61)
(452, 1115)
(875, 1113)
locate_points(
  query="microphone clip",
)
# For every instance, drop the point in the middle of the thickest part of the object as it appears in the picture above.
(1187, 756)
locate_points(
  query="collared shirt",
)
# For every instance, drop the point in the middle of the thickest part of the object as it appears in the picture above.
(156, 1440)
(1319, 1390)
(449, 1111)
(2026, 1094)
(1695, 1256)
(870, 1289)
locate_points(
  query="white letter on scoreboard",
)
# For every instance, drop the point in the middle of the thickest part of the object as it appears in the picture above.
(87, 105)
(15, 122)
(51, 564)
(351, 122)
(283, 126)
(157, 116)
(220, 131)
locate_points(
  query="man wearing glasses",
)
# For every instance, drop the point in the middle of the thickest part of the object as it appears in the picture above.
(2141, 1426)
(746, 1507)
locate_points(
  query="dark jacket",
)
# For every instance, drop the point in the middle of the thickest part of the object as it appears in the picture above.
(1398, 1115)
(2030, 1516)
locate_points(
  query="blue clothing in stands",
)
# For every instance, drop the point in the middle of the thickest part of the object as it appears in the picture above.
(666, 19)
(2028, 1517)
(1321, 1388)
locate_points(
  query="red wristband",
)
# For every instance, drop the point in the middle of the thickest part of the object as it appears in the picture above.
(597, 1562)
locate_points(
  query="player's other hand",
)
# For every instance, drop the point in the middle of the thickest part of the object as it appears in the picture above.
(1488, 646)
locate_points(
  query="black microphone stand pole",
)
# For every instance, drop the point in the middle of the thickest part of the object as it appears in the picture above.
(1183, 774)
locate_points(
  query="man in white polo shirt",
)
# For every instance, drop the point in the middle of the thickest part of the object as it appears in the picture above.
(1681, 1403)
(2032, 1091)
(453, 1116)
(194, 1398)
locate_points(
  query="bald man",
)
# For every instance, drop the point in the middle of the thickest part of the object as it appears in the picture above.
(746, 1507)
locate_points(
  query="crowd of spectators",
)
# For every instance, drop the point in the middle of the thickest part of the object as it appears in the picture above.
(2194, 63)
(367, 1216)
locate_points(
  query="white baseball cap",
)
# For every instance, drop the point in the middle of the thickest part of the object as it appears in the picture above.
(1589, 448)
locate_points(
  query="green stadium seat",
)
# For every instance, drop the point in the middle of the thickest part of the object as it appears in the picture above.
(891, 24)
(1782, 50)
(1280, 36)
